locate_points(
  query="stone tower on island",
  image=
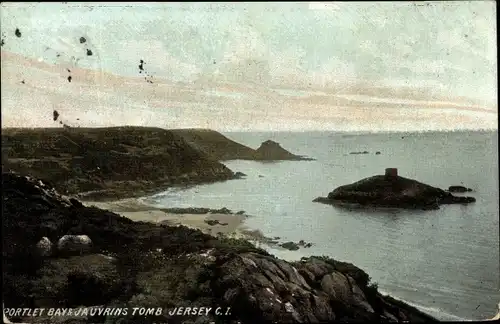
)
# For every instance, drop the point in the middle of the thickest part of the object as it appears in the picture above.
(391, 172)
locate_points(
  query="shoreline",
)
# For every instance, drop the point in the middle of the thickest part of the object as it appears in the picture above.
(213, 222)
(112, 195)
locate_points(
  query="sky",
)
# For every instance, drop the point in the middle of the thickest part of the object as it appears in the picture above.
(443, 50)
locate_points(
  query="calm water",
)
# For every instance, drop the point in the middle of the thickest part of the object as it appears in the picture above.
(445, 262)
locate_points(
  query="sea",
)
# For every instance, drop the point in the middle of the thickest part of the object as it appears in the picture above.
(444, 262)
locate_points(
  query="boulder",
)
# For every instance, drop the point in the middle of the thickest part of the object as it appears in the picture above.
(74, 244)
(44, 247)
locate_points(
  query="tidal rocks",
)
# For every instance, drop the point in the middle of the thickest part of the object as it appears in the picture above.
(459, 189)
(239, 175)
(200, 211)
(292, 246)
(305, 244)
(213, 222)
(457, 200)
(137, 263)
(391, 190)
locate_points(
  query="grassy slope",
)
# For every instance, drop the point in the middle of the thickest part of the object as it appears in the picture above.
(215, 144)
(113, 160)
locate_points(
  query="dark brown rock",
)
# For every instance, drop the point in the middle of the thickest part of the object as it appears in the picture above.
(270, 150)
(391, 191)
(459, 189)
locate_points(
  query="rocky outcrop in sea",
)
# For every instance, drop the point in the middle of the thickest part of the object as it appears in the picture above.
(393, 191)
(271, 150)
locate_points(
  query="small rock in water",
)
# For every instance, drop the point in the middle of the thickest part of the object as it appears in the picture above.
(212, 222)
(459, 189)
(304, 244)
(292, 246)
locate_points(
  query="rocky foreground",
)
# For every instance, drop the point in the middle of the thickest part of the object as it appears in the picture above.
(392, 191)
(133, 264)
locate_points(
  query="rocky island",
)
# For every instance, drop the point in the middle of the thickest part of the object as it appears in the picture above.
(393, 191)
(130, 264)
(221, 148)
(270, 150)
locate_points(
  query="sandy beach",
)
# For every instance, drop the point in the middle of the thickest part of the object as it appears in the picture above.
(211, 223)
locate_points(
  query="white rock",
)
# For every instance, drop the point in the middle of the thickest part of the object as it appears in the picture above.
(44, 247)
(74, 244)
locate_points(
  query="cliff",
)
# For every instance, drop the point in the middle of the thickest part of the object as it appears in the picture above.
(393, 191)
(135, 264)
(222, 148)
(113, 161)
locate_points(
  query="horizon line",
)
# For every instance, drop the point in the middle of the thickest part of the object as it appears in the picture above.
(460, 130)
